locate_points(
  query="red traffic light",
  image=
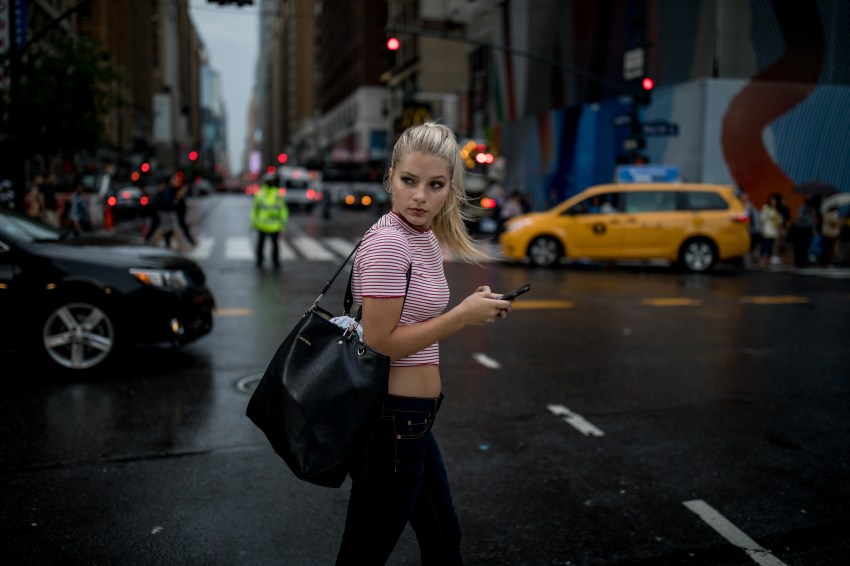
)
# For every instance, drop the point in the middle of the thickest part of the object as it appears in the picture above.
(193, 155)
(146, 167)
(647, 83)
(393, 44)
(282, 158)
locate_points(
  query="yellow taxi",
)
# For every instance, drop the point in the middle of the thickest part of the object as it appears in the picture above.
(692, 225)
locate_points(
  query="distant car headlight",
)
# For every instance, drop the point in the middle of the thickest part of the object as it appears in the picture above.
(517, 224)
(167, 279)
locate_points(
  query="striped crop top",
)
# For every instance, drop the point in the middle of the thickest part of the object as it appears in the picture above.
(380, 271)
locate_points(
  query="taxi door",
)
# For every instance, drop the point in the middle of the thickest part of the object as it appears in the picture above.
(652, 227)
(593, 227)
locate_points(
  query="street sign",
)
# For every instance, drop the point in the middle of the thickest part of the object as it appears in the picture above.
(622, 119)
(660, 128)
(633, 63)
(632, 144)
(647, 174)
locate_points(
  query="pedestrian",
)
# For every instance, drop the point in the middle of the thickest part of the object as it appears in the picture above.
(268, 217)
(398, 475)
(34, 199)
(803, 230)
(755, 227)
(770, 220)
(830, 230)
(181, 192)
(48, 190)
(165, 206)
(78, 209)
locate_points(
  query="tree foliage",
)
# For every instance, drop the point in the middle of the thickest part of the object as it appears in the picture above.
(67, 86)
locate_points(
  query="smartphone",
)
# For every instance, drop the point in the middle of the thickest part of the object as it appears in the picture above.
(514, 294)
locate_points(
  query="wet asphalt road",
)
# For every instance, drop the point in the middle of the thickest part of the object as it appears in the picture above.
(614, 417)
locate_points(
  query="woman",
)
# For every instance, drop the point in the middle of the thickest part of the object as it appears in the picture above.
(770, 220)
(398, 474)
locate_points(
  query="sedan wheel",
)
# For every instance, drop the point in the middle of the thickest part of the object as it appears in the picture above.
(544, 251)
(78, 336)
(698, 255)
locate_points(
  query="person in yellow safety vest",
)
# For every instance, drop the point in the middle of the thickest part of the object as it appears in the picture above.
(268, 217)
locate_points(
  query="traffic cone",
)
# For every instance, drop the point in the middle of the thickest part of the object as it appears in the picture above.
(108, 220)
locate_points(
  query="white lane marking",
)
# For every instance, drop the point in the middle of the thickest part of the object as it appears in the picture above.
(286, 251)
(486, 361)
(312, 250)
(203, 250)
(340, 245)
(733, 534)
(238, 247)
(577, 421)
(244, 248)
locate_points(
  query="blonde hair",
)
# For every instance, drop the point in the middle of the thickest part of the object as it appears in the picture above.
(438, 140)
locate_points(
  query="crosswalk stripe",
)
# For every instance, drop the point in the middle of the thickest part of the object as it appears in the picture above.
(292, 247)
(340, 245)
(311, 249)
(204, 248)
(238, 247)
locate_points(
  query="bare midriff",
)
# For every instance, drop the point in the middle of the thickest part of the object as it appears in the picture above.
(415, 381)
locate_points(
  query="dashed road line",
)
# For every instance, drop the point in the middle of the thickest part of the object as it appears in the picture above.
(733, 534)
(775, 300)
(575, 420)
(486, 361)
(233, 311)
(672, 302)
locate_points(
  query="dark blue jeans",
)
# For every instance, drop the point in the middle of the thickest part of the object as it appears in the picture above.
(398, 476)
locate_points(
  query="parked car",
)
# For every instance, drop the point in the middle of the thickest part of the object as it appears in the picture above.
(692, 225)
(129, 202)
(74, 302)
(302, 187)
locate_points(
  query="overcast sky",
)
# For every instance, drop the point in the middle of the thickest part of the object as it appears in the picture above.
(230, 35)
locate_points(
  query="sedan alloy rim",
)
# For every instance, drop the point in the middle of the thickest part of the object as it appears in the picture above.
(544, 251)
(78, 336)
(698, 256)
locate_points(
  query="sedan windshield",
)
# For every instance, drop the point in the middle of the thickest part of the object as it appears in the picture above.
(25, 229)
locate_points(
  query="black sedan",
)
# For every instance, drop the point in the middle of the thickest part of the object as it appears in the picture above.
(75, 301)
(129, 202)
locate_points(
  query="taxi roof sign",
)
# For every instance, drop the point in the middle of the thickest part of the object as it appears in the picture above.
(647, 174)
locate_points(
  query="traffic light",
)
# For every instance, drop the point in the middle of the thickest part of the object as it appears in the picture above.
(392, 46)
(193, 155)
(644, 91)
(393, 43)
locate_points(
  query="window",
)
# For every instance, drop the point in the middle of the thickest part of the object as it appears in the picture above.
(650, 201)
(703, 200)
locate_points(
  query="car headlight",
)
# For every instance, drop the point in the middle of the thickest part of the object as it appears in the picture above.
(167, 279)
(517, 224)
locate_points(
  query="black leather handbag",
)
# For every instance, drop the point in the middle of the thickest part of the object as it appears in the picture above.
(318, 392)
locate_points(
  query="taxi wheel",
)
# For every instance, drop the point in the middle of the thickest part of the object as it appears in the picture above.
(544, 251)
(698, 255)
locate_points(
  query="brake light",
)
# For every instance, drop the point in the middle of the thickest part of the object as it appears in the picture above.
(311, 194)
(281, 191)
(487, 202)
(741, 217)
(111, 201)
(143, 201)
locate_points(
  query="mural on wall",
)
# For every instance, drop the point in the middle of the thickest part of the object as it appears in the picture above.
(771, 125)
(771, 93)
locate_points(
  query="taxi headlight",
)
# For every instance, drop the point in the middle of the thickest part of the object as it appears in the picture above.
(517, 224)
(163, 278)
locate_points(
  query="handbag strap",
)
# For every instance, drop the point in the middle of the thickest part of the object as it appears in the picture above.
(333, 278)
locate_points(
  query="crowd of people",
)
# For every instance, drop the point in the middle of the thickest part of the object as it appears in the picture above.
(813, 234)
